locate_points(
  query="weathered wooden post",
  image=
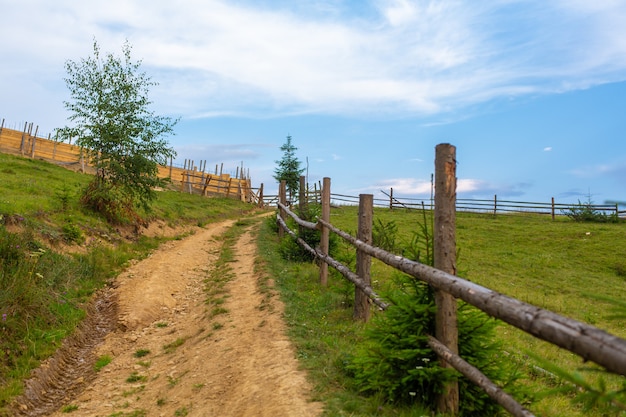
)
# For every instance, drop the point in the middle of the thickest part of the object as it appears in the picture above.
(495, 205)
(23, 138)
(282, 199)
(391, 199)
(302, 200)
(34, 141)
(230, 183)
(363, 260)
(552, 208)
(302, 203)
(445, 260)
(261, 202)
(325, 233)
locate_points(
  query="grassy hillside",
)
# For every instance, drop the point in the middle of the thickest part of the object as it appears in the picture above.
(54, 255)
(559, 265)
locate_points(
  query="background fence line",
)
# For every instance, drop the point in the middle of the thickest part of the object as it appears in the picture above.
(494, 206)
(192, 179)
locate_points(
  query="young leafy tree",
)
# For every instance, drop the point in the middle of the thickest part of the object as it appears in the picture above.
(288, 168)
(122, 137)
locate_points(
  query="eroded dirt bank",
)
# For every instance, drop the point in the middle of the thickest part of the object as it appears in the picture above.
(171, 357)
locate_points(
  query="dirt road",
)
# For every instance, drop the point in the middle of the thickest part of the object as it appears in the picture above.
(172, 357)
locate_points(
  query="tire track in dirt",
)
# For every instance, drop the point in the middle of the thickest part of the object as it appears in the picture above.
(236, 364)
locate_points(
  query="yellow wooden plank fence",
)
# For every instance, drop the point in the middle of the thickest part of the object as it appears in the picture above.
(189, 179)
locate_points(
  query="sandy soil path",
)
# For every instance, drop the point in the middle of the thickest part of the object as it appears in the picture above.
(239, 363)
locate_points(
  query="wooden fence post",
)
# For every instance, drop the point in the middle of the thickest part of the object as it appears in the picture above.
(261, 202)
(552, 208)
(391, 199)
(282, 199)
(302, 203)
(325, 233)
(302, 200)
(54, 148)
(363, 260)
(495, 205)
(23, 138)
(445, 260)
(32, 149)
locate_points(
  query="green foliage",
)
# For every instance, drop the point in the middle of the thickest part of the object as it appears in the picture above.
(111, 202)
(72, 233)
(101, 362)
(396, 362)
(69, 408)
(141, 353)
(585, 212)
(609, 400)
(289, 247)
(288, 168)
(64, 195)
(122, 138)
(384, 234)
(421, 246)
(135, 377)
(35, 311)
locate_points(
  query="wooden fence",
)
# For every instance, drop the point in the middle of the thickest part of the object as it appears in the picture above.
(191, 178)
(493, 206)
(585, 340)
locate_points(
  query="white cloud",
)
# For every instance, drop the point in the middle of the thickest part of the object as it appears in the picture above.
(402, 186)
(399, 12)
(469, 185)
(215, 57)
(547, 149)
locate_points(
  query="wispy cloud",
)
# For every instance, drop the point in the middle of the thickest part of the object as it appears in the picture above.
(402, 186)
(403, 57)
(466, 188)
(614, 169)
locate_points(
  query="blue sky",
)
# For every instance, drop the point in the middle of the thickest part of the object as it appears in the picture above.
(532, 93)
